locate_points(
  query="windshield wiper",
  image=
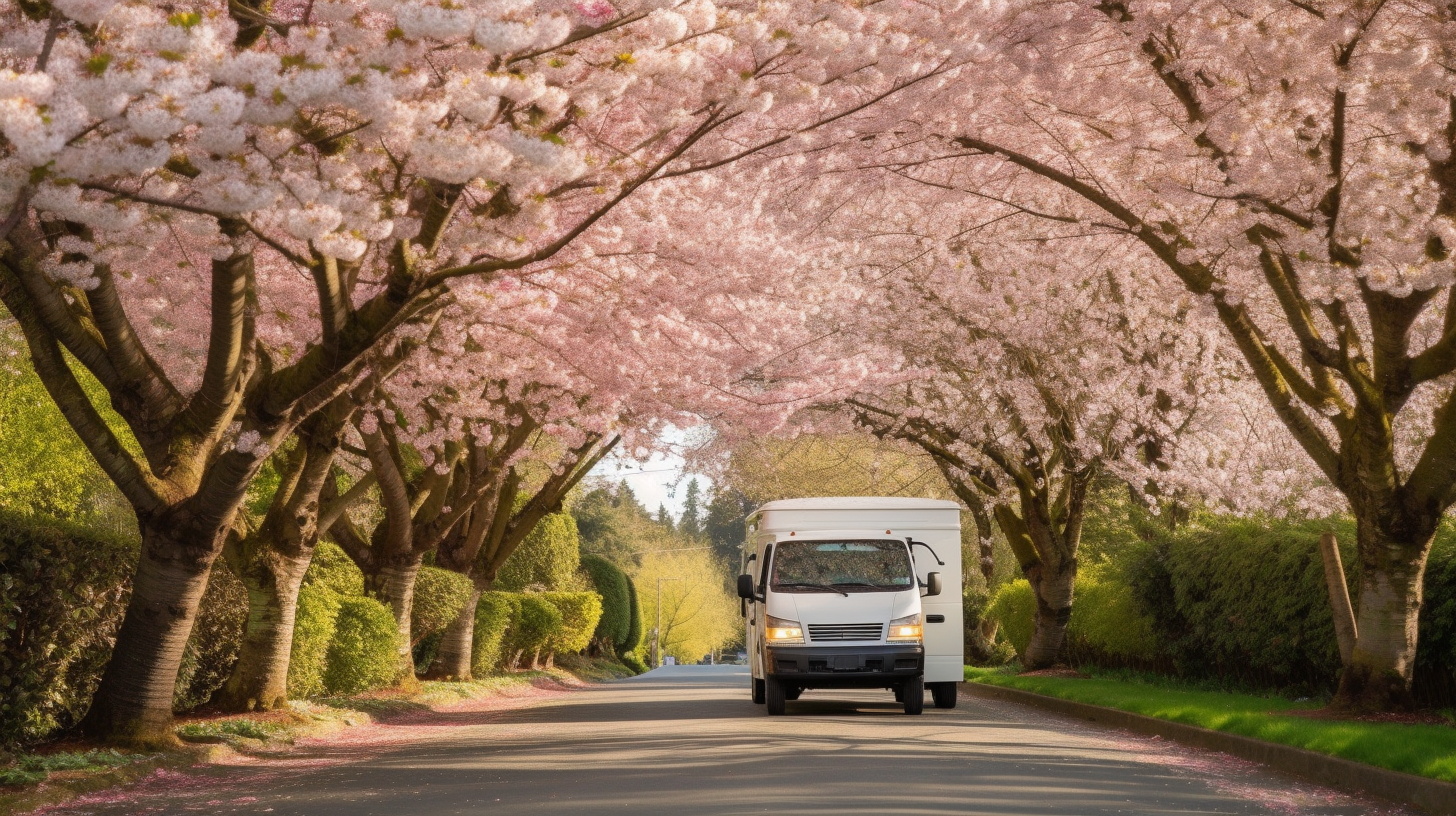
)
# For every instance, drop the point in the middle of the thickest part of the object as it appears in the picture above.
(863, 584)
(813, 586)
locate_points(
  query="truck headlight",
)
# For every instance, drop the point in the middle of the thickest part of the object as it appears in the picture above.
(783, 631)
(905, 630)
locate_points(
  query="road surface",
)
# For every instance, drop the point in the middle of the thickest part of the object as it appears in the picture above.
(688, 740)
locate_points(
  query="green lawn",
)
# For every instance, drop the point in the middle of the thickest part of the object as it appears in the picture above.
(1425, 750)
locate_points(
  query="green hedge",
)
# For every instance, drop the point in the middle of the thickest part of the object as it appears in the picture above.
(63, 591)
(493, 618)
(1108, 621)
(362, 653)
(635, 630)
(439, 596)
(216, 639)
(580, 612)
(333, 569)
(1013, 607)
(536, 622)
(548, 558)
(313, 629)
(610, 583)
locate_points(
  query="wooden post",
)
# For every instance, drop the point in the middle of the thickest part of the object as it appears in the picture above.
(1345, 631)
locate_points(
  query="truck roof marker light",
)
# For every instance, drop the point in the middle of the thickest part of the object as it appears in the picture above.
(887, 532)
(791, 532)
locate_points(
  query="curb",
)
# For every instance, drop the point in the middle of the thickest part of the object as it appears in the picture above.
(1427, 794)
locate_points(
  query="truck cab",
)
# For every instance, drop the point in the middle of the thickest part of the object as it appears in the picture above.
(850, 592)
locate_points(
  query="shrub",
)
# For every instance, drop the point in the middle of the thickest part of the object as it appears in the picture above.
(1435, 683)
(580, 612)
(313, 628)
(63, 591)
(547, 558)
(1244, 600)
(634, 662)
(332, 568)
(362, 653)
(1107, 621)
(611, 584)
(493, 617)
(216, 639)
(635, 631)
(536, 622)
(439, 596)
(1013, 607)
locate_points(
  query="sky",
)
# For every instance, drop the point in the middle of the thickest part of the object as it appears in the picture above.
(658, 480)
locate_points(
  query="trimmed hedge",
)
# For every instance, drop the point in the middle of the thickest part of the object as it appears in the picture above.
(216, 639)
(1108, 621)
(362, 653)
(63, 592)
(333, 569)
(493, 618)
(439, 596)
(610, 583)
(580, 612)
(1013, 607)
(548, 558)
(313, 629)
(536, 622)
(635, 630)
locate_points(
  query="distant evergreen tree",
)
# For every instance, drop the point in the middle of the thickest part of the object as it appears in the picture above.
(663, 517)
(691, 524)
(727, 513)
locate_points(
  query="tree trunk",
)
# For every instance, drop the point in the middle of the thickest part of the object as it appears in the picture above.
(1052, 586)
(132, 706)
(453, 660)
(259, 680)
(1381, 666)
(394, 584)
(1339, 591)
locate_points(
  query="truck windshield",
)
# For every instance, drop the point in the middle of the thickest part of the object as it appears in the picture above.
(841, 566)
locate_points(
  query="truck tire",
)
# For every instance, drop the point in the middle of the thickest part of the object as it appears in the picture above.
(944, 694)
(775, 696)
(793, 692)
(914, 693)
(758, 691)
(899, 693)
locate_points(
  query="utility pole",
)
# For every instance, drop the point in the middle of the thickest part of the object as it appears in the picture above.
(657, 632)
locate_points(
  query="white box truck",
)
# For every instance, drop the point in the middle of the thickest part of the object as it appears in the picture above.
(854, 592)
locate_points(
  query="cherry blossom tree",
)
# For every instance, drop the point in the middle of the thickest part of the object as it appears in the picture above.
(336, 166)
(1024, 378)
(1289, 164)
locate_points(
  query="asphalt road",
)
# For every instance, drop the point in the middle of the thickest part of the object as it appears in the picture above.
(688, 740)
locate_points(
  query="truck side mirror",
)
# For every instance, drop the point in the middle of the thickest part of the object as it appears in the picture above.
(932, 584)
(745, 588)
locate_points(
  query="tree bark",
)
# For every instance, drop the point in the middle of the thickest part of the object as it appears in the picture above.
(132, 706)
(1052, 586)
(394, 584)
(1378, 677)
(259, 681)
(1346, 630)
(453, 660)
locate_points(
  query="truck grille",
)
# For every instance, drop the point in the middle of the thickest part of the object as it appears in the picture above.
(846, 631)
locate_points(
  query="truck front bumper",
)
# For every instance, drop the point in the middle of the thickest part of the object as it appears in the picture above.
(845, 666)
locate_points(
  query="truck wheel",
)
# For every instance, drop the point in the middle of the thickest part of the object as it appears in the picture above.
(793, 692)
(944, 694)
(758, 692)
(775, 696)
(914, 693)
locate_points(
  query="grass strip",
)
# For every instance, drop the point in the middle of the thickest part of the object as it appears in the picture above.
(1423, 750)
